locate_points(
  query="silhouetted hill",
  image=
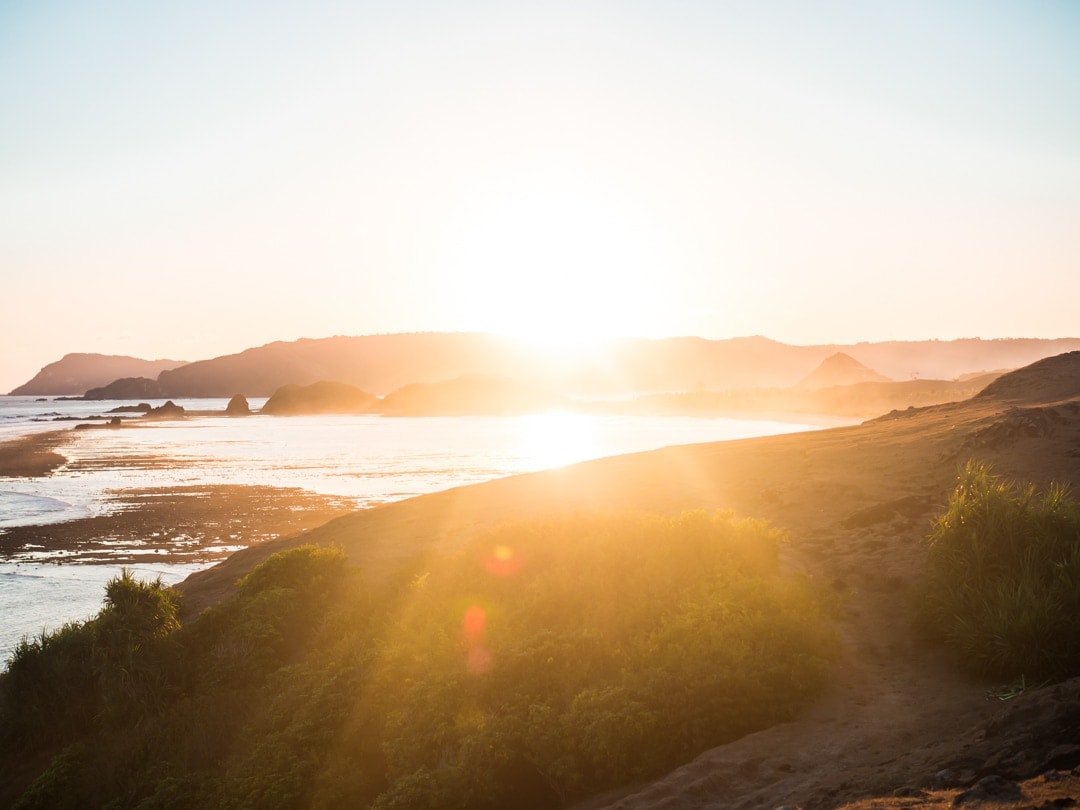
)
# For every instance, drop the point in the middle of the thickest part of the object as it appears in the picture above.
(949, 359)
(840, 369)
(383, 363)
(321, 397)
(126, 388)
(472, 395)
(76, 373)
(860, 400)
(1049, 380)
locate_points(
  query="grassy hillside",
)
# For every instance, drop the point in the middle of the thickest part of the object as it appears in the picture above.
(546, 661)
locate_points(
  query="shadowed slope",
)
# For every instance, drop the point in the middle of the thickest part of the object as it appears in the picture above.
(1046, 381)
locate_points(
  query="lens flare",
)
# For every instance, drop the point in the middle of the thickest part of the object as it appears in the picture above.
(478, 658)
(503, 561)
(472, 626)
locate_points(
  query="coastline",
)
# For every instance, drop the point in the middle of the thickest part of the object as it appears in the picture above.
(33, 455)
(179, 524)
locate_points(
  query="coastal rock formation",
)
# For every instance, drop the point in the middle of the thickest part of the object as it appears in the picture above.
(75, 373)
(170, 410)
(238, 406)
(470, 395)
(325, 397)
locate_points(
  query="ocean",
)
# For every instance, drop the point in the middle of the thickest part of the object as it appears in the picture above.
(367, 459)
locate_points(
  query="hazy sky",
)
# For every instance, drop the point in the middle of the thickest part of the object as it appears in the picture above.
(190, 179)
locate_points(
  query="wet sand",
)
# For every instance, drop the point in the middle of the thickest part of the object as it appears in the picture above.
(171, 525)
(174, 525)
(33, 456)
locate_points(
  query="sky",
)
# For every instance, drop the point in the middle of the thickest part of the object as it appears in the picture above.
(185, 180)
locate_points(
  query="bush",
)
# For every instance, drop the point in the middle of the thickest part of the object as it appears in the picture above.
(1003, 589)
(565, 657)
(547, 661)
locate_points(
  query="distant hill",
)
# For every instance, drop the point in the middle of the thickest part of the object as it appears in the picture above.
(384, 363)
(76, 373)
(319, 398)
(839, 369)
(472, 395)
(1049, 380)
(861, 400)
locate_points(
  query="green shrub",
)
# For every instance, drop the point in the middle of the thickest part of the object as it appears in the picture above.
(1003, 589)
(574, 655)
(547, 661)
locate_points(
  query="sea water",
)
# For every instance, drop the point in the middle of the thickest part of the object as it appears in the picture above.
(367, 459)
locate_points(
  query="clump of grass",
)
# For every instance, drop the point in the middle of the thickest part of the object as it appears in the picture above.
(1004, 577)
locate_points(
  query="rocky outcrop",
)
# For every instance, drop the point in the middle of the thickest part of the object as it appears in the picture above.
(238, 406)
(77, 373)
(325, 397)
(170, 410)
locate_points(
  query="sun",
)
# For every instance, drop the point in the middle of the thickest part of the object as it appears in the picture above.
(556, 439)
(555, 264)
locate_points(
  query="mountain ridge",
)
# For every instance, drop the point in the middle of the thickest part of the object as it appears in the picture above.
(383, 363)
(77, 372)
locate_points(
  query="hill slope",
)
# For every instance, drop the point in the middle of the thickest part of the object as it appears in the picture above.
(840, 369)
(856, 502)
(76, 373)
(383, 363)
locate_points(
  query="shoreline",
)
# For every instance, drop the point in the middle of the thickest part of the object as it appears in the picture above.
(33, 455)
(178, 524)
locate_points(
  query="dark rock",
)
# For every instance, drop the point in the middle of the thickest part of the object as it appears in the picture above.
(990, 789)
(238, 406)
(945, 778)
(909, 792)
(170, 410)
(142, 407)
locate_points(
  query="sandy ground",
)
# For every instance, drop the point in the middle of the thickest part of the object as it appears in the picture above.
(900, 727)
(899, 723)
(32, 456)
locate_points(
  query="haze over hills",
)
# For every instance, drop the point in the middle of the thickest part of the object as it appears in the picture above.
(383, 363)
(77, 373)
(840, 369)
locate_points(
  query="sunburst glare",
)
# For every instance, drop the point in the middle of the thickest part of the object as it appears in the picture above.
(556, 439)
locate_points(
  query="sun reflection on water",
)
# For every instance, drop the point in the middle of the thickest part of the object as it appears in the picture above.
(557, 438)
